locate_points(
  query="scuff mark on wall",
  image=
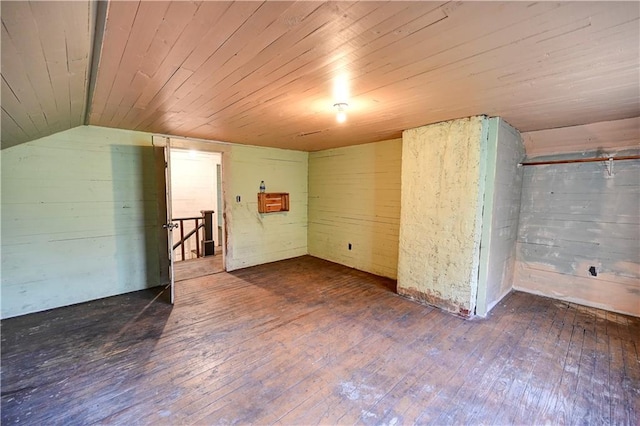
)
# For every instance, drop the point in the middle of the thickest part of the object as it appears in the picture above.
(426, 297)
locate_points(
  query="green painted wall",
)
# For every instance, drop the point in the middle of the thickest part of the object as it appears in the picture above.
(78, 220)
(256, 238)
(80, 216)
(501, 211)
(354, 198)
(575, 217)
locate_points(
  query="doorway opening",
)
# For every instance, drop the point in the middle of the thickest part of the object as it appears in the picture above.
(196, 206)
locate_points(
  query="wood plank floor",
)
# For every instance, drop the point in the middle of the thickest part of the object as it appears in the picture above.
(306, 341)
(194, 268)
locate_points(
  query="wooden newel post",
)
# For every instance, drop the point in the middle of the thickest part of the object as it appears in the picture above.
(208, 243)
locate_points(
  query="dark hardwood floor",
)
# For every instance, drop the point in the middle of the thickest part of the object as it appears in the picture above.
(306, 341)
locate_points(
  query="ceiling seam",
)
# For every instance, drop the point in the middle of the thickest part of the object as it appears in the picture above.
(97, 20)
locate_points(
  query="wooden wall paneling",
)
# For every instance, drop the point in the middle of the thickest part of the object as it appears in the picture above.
(79, 208)
(354, 198)
(256, 238)
(500, 213)
(605, 137)
(574, 216)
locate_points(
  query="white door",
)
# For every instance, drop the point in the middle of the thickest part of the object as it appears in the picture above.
(162, 155)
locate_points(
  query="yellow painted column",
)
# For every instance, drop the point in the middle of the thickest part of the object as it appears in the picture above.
(441, 213)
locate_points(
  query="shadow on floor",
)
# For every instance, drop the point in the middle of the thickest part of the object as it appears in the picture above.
(48, 357)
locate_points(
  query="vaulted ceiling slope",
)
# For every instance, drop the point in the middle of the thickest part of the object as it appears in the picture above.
(262, 73)
(46, 49)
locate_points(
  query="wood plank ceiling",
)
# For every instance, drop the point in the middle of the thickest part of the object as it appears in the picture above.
(46, 50)
(263, 73)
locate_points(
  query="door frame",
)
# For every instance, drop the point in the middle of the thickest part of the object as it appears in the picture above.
(162, 162)
(222, 148)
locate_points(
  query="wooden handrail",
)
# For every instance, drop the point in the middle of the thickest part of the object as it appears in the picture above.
(188, 218)
(184, 238)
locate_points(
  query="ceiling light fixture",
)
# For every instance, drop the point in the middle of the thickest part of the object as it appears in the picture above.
(341, 116)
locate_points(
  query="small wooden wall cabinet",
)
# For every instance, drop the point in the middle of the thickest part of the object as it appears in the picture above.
(271, 202)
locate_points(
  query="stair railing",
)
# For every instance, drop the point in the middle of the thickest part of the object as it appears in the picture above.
(199, 223)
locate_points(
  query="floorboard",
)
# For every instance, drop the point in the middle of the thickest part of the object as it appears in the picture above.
(305, 341)
(199, 267)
